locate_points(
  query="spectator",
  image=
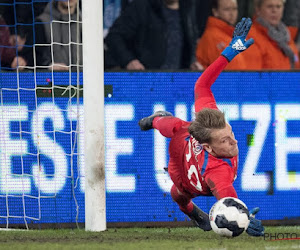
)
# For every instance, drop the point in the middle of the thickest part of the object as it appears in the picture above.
(154, 34)
(272, 37)
(203, 9)
(19, 15)
(18, 40)
(52, 28)
(8, 56)
(218, 34)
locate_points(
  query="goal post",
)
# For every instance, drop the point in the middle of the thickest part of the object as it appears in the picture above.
(93, 98)
(51, 167)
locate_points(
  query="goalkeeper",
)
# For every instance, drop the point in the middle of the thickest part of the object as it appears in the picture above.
(204, 153)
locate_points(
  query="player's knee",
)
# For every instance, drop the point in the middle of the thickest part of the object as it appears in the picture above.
(179, 197)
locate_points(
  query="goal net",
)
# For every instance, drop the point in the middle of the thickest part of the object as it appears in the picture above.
(42, 177)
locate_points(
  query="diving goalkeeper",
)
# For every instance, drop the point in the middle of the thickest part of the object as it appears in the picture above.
(204, 153)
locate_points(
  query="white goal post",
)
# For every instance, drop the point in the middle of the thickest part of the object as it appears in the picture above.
(93, 93)
(51, 167)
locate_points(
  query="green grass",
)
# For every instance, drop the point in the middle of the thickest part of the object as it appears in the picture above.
(142, 238)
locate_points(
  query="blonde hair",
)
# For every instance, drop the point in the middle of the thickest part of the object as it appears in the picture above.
(206, 120)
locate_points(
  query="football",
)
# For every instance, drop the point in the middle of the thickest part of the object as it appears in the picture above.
(229, 217)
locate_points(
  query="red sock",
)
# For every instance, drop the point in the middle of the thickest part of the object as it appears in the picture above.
(168, 125)
(184, 201)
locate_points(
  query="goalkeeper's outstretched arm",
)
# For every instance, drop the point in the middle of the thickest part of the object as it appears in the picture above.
(203, 95)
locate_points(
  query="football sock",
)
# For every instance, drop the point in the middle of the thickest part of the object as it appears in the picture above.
(167, 125)
(185, 203)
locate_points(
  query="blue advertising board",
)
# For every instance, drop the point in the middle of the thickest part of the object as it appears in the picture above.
(39, 151)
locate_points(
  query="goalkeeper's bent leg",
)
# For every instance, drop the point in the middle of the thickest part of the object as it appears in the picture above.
(168, 125)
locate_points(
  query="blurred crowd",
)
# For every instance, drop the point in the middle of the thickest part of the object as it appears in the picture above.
(151, 34)
(40, 34)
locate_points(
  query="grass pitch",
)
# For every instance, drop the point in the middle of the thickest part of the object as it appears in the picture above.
(146, 238)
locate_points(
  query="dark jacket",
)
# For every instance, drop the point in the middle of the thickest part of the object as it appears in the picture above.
(140, 33)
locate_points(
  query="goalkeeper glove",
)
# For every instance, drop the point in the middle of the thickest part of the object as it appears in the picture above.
(255, 227)
(238, 42)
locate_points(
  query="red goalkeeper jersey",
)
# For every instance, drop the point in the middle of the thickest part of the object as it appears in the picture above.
(191, 168)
